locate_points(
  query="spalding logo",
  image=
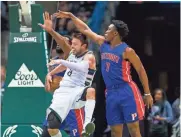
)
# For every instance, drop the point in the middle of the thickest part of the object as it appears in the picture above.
(25, 35)
(25, 38)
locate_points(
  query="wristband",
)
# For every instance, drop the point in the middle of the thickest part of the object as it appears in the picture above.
(147, 94)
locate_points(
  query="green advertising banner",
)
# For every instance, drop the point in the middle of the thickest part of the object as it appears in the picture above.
(25, 101)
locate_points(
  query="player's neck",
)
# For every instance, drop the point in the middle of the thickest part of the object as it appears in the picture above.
(115, 42)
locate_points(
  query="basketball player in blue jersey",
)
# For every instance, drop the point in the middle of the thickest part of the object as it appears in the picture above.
(124, 103)
(88, 126)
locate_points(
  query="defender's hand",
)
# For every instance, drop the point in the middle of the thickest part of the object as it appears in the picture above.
(53, 62)
(48, 25)
(47, 86)
(61, 14)
(48, 81)
(148, 101)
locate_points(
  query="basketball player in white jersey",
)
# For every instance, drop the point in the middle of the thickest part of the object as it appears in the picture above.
(80, 70)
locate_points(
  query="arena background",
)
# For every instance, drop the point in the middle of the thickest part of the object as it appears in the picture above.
(154, 34)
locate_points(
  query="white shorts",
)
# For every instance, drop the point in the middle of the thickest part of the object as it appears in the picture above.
(65, 99)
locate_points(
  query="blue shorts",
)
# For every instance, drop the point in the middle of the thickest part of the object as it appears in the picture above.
(124, 104)
(73, 122)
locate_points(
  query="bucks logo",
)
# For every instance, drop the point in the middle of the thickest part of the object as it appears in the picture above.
(9, 131)
(12, 130)
(37, 130)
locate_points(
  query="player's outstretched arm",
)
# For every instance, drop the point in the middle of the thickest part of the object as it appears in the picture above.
(88, 62)
(137, 64)
(58, 69)
(58, 38)
(82, 27)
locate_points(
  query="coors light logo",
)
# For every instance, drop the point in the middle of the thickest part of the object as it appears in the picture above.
(25, 78)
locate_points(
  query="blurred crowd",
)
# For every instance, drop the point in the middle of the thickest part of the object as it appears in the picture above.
(82, 9)
(65, 27)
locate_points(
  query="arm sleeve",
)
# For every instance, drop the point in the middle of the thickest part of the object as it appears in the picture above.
(83, 66)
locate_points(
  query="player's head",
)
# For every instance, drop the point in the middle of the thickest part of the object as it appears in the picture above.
(116, 29)
(159, 95)
(79, 43)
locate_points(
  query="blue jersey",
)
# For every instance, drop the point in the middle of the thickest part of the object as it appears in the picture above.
(115, 69)
(124, 103)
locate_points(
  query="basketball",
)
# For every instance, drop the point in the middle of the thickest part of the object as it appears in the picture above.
(54, 84)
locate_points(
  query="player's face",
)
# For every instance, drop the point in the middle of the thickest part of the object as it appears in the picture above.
(110, 33)
(158, 95)
(76, 46)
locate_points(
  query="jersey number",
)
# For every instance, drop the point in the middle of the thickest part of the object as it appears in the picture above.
(69, 73)
(107, 66)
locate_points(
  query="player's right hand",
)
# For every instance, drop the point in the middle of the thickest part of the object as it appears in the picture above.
(48, 81)
(62, 14)
(48, 25)
(148, 101)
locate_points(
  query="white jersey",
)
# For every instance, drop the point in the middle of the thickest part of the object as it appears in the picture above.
(74, 78)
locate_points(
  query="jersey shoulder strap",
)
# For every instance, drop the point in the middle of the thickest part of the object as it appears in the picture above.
(70, 55)
(89, 52)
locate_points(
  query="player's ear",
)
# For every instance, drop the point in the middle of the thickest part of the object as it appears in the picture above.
(115, 33)
(85, 45)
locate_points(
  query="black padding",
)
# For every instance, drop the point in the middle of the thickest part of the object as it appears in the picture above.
(53, 121)
(45, 132)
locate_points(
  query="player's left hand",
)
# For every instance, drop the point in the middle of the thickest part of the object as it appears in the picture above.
(48, 81)
(48, 24)
(62, 14)
(53, 62)
(148, 101)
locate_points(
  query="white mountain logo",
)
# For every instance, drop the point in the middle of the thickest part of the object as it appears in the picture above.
(25, 78)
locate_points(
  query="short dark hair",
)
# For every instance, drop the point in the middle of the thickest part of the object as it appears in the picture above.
(121, 27)
(81, 37)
